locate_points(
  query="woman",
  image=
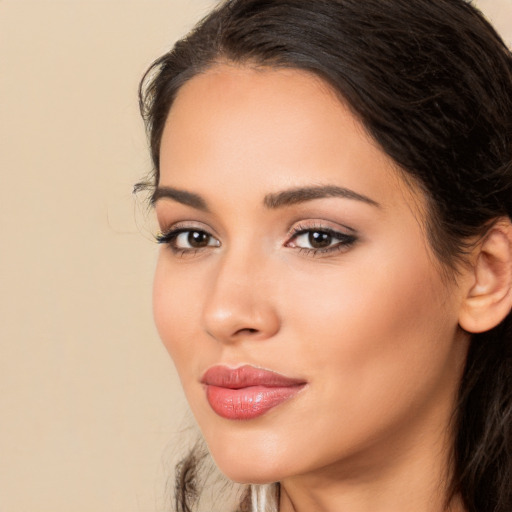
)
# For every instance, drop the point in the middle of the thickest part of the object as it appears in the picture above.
(333, 184)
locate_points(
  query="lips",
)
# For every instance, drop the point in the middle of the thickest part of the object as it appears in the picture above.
(247, 392)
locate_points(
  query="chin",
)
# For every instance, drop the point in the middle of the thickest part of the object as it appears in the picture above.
(247, 462)
(248, 472)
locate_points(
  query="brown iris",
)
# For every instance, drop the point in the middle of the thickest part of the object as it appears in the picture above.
(198, 239)
(319, 239)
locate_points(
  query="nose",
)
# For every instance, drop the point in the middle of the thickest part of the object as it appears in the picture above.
(239, 303)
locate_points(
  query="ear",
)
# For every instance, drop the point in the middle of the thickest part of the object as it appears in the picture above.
(489, 297)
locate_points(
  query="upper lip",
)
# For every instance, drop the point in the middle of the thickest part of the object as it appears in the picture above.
(247, 376)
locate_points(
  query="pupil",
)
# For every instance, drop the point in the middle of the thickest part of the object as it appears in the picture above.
(198, 239)
(318, 240)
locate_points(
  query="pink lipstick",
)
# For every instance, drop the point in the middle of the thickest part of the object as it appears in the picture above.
(247, 392)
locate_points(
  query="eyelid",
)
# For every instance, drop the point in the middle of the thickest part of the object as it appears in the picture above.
(185, 225)
(321, 225)
(169, 235)
(344, 239)
(173, 233)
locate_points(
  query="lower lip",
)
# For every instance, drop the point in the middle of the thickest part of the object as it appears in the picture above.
(248, 403)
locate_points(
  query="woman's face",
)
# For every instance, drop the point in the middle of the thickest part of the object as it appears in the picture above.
(295, 247)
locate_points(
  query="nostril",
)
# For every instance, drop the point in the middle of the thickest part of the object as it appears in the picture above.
(247, 330)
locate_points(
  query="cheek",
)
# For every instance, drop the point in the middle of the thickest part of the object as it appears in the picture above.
(175, 310)
(377, 330)
(377, 349)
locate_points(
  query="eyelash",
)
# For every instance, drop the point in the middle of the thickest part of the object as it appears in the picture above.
(345, 241)
(169, 238)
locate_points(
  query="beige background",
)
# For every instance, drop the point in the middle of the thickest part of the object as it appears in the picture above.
(90, 407)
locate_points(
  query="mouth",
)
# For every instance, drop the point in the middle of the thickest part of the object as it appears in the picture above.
(247, 392)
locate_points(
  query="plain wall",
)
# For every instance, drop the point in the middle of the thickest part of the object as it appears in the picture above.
(89, 401)
(90, 407)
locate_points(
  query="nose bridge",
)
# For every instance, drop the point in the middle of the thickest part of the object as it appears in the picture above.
(238, 302)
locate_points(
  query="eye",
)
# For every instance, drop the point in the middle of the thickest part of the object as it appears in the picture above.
(315, 239)
(320, 240)
(184, 240)
(193, 240)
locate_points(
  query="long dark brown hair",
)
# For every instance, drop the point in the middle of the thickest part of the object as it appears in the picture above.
(431, 81)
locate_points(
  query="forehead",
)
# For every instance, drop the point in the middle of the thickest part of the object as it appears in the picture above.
(273, 128)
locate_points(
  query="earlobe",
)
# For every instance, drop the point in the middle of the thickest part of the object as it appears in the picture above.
(489, 297)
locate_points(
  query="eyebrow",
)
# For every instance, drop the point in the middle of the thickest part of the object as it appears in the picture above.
(180, 196)
(273, 201)
(303, 194)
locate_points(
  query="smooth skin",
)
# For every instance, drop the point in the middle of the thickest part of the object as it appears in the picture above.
(338, 289)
